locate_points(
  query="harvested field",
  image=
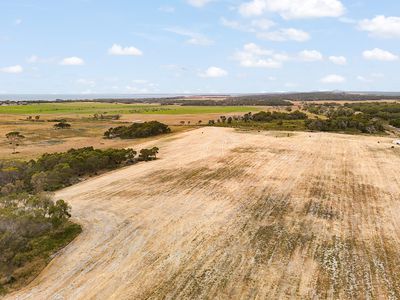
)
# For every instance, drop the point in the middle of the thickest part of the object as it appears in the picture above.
(231, 215)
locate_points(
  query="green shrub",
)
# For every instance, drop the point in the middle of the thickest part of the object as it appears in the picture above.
(137, 130)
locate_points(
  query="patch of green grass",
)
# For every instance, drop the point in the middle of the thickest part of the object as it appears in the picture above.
(116, 108)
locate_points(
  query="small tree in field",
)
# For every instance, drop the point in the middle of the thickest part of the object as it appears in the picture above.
(62, 125)
(14, 138)
(154, 152)
(148, 154)
(182, 122)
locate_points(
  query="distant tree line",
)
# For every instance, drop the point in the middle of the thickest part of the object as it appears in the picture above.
(137, 130)
(261, 116)
(356, 123)
(338, 118)
(368, 117)
(320, 96)
(311, 96)
(387, 111)
(237, 101)
(277, 115)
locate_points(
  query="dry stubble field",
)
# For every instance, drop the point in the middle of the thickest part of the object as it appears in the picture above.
(231, 215)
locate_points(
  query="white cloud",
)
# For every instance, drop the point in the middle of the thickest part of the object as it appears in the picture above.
(285, 34)
(291, 84)
(294, 9)
(364, 79)
(124, 51)
(134, 89)
(379, 54)
(378, 75)
(87, 82)
(235, 25)
(140, 81)
(261, 27)
(381, 26)
(253, 8)
(263, 24)
(348, 20)
(72, 61)
(12, 69)
(198, 3)
(200, 41)
(214, 72)
(194, 38)
(253, 56)
(371, 78)
(333, 78)
(338, 60)
(33, 59)
(167, 9)
(18, 22)
(253, 26)
(310, 55)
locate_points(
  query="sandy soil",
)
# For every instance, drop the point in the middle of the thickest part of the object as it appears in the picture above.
(231, 215)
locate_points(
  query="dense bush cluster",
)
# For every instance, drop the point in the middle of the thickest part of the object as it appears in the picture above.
(276, 120)
(395, 122)
(276, 115)
(389, 112)
(368, 117)
(261, 116)
(54, 171)
(137, 130)
(353, 123)
(32, 228)
(62, 125)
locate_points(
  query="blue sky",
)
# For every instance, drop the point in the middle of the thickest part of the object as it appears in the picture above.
(198, 46)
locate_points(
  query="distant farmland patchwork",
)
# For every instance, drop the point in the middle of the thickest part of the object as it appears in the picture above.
(116, 108)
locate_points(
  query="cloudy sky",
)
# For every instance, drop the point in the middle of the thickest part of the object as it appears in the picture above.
(198, 46)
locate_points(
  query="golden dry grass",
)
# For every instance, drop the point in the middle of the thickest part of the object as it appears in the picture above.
(230, 215)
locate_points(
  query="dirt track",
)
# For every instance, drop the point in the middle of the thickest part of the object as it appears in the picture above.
(232, 215)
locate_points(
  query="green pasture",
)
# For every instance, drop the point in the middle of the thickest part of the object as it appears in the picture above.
(116, 108)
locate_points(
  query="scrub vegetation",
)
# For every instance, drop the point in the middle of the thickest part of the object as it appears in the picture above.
(137, 130)
(32, 226)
